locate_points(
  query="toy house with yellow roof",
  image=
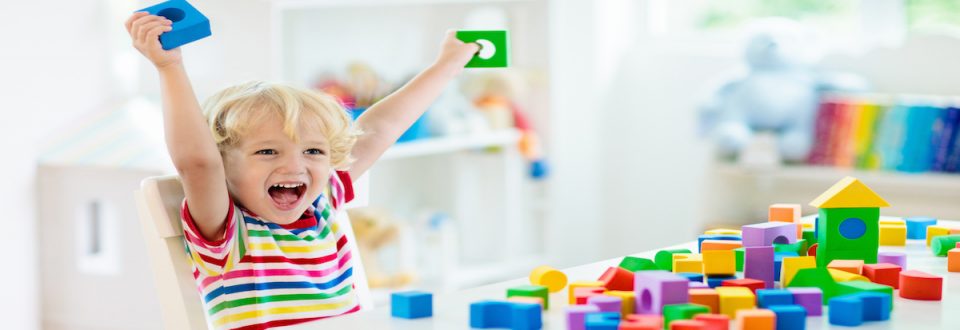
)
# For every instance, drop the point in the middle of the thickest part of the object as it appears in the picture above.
(849, 222)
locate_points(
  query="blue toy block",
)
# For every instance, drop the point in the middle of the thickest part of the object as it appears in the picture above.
(715, 281)
(816, 228)
(527, 316)
(411, 304)
(876, 305)
(917, 227)
(773, 297)
(504, 314)
(602, 321)
(702, 238)
(846, 310)
(189, 24)
(693, 277)
(790, 317)
(778, 262)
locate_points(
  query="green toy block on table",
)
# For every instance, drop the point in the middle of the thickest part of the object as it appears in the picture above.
(494, 48)
(844, 288)
(817, 278)
(739, 255)
(635, 264)
(536, 291)
(664, 258)
(676, 312)
(800, 247)
(941, 245)
(848, 225)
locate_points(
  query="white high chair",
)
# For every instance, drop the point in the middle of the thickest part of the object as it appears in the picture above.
(158, 203)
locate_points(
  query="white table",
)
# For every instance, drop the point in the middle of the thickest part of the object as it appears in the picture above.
(451, 311)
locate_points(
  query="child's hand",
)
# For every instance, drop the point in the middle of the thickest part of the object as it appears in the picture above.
(454, 54)
(145, 30)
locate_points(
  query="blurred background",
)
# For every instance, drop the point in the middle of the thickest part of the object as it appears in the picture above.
(620, 126)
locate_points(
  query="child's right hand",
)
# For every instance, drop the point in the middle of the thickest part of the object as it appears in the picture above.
(145, 30)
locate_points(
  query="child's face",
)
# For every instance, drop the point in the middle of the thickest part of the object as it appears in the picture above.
(273, 176)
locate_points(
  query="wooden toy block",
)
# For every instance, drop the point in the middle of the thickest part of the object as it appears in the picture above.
(953, 260)
(706, 297)
(778, 262)
(687, 263)
(494, 48)
(934, 231)
(616, 278)
(810, 298)
(664, 258)
(755, 319)
(772, 297)
(628, 301)
(748, 283)
(710, 244)
(576, 315)
(815, 278)
(526, 300)
(692, 277)
(702, 238)
(715, 281)
(411, 304)
(941, 245)
(607, 303)
(918, 285)
(580, 284)
(789, 317)
(846, 310)
(786, 213)
(719, 262)
(842, 276)
(739, 253)
(735, 298)
(503, 314)
(641, 322)
(549, 277)
(688, 325)
(758, 263)
(656, 288)
(602, 321)
(876, 306)
(634, 264)
(893, 235)
(580, 295)
(793, 264)
(848, 193)
(917, 226)
(852, 287)
(538, 291)
(723, 231)
(767, 233)
(675, 312)
(189, 24)
(883, 273)
(799, 247)
(850, 266)
(714, 321)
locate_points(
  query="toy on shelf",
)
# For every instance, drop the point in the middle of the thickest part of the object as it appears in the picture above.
(189, 24)
(376, 230)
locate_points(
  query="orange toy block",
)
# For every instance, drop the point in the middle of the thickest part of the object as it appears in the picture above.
(713, 321)
(705, 297)
(883, 273)
(850, 266)
(549, 277)
(616, 278)
(714, 244)
(755, 319)
(641, 322)
(527, 300)
(786, 213)
(580, 295)
(580, 284)
(719, 262)
(628, 300)
(953, 260)
(687, 325)
(918, 285)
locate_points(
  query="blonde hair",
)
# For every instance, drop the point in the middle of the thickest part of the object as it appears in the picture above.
(232, 111)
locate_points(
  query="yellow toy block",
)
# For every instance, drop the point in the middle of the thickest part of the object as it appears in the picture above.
(934, 231)
(893, 235)
(850, 266)
(549, 277)
(807, 225)
(687, 263)
(848, 193)
(734, 298)
(723, 231)
(791, 265)
(628, 297)
(719, 262)
(893, 222)
(527, 300)
(755, 319)
(580, 284)
(845, 276)
(953, 260)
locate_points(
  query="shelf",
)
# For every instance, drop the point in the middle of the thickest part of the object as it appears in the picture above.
(449, 144)
(831, 174)
(300, 4)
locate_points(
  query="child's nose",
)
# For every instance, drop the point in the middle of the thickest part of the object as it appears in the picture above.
(293, 164)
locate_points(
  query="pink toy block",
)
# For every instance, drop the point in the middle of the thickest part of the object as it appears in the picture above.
(576, 315)
(767, 233)
(655, 288)
(758, 264)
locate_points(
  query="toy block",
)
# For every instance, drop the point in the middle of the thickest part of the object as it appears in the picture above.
(848, 193)
(189, 24)
(580, 295)
(815, 278)
(748, 283)
(715, 281)
(811, 299)
(702, 238)
(876, 306)
(792, 264)
(850, 266)
(641, 322)
(934, 231)
(676, 312)
(767, 233)
(755, 319)
(941, 245)
(849, 229)
(607, 303)
(738, 252)
(571, 288)
(706, 297)
(538, 291)
(655, 288)
(868, 255)
(687, 263)
(719, 262)
(664, 258)
(698, 285)
(549, 277)
(842, 276)
(712, 244)
(846, 288)
(790, 317)
(812, 250)
(846, 310)
(526, 300)
(953, 260)
(789, 213)
(778, 262)
(893, 235)
(883, 273)
(575, 315)
(616, 278)
(714, 321)
(602, 321)
(723, 231)
(918, 285)
(772, 297)
(411, 304)
(810, 236)
(917, 226)
(692, 277)
(503, 314)
(893, 257)
(688, 325)
(816, 226)
(799, 247)
(634, 264)
(494, 48)
(734, 298)
(628, 301)
(758, 263)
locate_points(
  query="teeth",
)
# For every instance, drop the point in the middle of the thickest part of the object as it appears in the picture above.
(287, 185)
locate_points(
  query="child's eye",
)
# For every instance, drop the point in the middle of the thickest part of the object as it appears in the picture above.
(266, 152)
(315, 151)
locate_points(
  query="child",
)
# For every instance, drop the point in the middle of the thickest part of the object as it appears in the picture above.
(263, 174)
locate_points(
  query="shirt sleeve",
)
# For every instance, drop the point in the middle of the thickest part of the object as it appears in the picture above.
(213, 257)
(341, 189)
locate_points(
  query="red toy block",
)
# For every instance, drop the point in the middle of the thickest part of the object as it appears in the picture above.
(641, 322)
(883, 273)
(687, 325)
(953, 260)
(749, 283)
(918, 285)
(812, 251)
(849, 266)
(714, 321)
(617, 279)
(580, 295)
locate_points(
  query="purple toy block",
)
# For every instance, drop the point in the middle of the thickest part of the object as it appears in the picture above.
(767, 233)
(758, 264)
(576, 315)
(656, 288)
(606, 303)
(810, 298)
(890, 257)
(699, 285)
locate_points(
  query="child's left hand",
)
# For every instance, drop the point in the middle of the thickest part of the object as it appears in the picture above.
(454, 54)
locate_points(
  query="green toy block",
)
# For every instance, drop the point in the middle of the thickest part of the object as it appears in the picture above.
(738, 253)
(800, 247)
(810, 235)
(681, 312)
(536, 291)
(940, 245)
(494, 48)
(818, 278)
(664, 258)
(635, 264)
(862, 286)
(824, 257)
(849, 229)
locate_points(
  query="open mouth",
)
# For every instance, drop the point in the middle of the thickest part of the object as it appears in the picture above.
(287, 196)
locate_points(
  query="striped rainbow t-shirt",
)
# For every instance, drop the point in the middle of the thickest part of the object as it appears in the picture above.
(263, 275)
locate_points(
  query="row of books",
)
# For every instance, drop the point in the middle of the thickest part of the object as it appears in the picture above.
(909, 134)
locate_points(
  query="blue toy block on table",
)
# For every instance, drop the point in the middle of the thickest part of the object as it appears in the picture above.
(790, 317)
(846, 310)
(693, 277)
(917, 227)
(773, 297)
(505, 314)
(715, 281)
(602, 321)
(189, 24)
(876, 305)
(411, 304)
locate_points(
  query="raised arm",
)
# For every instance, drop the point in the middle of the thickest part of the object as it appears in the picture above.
(385, 121)
(189, 141)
